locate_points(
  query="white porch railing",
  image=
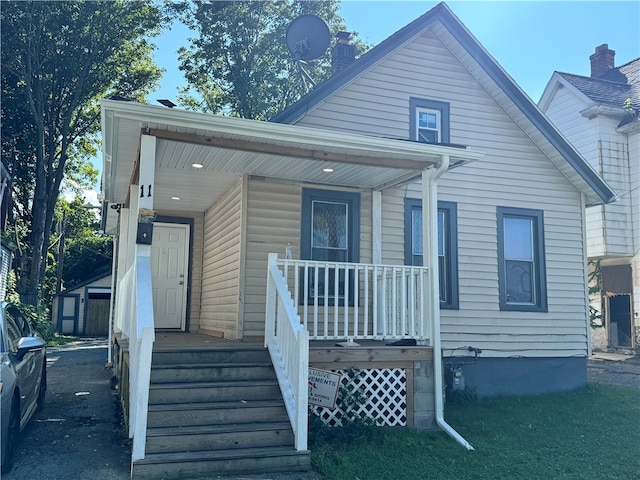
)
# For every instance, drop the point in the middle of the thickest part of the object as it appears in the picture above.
(288, 344)
(357, 301)
(135, 315)
(335, 301)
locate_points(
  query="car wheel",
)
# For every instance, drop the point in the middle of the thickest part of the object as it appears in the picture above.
(43, 387)
(12, 437)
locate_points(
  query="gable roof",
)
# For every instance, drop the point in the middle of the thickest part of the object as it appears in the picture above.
(495, 80)
(85, 283)
(608, 92)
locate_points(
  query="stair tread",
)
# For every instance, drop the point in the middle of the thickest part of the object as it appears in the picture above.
(239, 347)
(216, 429)
(260, 452)
(216, 405)
(181, 366)
(226, 383)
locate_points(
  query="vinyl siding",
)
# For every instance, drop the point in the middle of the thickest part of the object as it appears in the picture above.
(514, 173)
(273, 221)
(221, 262)
(609, 227)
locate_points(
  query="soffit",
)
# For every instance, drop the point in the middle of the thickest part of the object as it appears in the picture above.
(228, 148)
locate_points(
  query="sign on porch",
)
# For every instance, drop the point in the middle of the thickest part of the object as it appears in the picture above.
(323, 387)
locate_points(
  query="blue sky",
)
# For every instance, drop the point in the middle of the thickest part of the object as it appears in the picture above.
(530, 39)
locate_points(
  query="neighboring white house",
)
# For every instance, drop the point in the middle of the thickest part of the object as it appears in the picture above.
(419, 195)
(599, 115)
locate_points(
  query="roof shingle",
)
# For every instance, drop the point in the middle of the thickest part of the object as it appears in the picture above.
(613, 88)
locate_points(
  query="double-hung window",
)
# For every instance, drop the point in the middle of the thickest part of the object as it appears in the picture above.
(447, 246)
(330, 232)
(429, 120)
(521, 265)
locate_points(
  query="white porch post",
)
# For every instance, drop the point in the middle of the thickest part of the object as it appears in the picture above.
(123, 264)
(144, 305)
(430, 251)
(147, 173)
(376, 221)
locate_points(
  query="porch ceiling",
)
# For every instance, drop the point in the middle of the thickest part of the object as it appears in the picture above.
(230, 147)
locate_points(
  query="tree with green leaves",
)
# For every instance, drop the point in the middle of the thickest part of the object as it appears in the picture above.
(239, 64)
(58, 60)
(87, 252)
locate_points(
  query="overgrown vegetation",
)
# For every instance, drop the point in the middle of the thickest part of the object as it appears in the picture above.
(353, 423)
(584, 434)
(596, 318)
(39, 317)
(462, 397)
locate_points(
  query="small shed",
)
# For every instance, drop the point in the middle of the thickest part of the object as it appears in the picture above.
(84, 309)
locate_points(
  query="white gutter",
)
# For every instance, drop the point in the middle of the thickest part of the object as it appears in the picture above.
(429, 234)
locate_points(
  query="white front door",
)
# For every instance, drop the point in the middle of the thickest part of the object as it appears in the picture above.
(169, 264)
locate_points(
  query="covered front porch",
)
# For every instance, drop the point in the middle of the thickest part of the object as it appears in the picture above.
(171, 162)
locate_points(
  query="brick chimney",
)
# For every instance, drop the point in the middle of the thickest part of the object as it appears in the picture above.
(343, 53)
(602, 60)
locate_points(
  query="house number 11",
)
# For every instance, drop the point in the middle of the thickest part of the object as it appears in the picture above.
(142, 190)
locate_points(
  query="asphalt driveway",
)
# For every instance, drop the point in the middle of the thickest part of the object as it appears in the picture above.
(77, 434)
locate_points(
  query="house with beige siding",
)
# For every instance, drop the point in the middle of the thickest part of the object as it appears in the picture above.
(414, 224)
(599, 115)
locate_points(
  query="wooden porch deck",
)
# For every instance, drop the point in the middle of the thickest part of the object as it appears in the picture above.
(322, 353)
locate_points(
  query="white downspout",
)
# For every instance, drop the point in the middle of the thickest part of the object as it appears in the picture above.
(430, 237)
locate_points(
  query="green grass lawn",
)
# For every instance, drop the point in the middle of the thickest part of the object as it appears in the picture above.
(592, 433)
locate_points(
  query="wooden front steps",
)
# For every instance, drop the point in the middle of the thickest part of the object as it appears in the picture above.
(216, 412)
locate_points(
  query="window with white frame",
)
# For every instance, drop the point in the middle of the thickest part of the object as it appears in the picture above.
(447, 246)
(521, 265)
(429, 120)
(428, 125)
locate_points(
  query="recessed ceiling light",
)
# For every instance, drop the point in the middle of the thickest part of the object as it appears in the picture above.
(176, 198)
(327, 170)
(197, 165)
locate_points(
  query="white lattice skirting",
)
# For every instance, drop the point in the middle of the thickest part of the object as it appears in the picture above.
(380, 395)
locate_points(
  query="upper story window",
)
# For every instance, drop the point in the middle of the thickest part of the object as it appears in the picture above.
(429, 126)
(447, 246)
(429, 121)
(521, 266)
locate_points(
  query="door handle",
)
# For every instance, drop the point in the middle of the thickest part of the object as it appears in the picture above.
(180, 282)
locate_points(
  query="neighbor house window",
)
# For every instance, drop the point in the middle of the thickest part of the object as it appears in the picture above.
(447, 246)
(330, 232)
(521, 265)
(429, 121)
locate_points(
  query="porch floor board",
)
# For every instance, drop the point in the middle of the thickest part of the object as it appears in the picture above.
(168, 341)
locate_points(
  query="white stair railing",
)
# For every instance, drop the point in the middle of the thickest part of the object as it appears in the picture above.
(288, 344)
(135, 312)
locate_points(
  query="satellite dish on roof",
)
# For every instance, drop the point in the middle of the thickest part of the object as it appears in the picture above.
(308, 37)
